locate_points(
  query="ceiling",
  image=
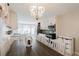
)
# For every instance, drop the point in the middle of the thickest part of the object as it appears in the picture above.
(52, 9)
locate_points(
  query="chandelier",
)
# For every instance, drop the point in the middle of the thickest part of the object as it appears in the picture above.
(37, 11)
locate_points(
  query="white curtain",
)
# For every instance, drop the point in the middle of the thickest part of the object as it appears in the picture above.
(28, 29)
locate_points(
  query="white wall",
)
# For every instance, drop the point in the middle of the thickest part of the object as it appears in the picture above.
(68, 25)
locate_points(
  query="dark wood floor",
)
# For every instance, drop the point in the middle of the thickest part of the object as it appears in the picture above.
(37, 49)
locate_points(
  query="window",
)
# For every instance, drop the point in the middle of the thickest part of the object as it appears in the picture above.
(28, 29)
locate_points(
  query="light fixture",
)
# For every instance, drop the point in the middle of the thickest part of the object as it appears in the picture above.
(37, 11)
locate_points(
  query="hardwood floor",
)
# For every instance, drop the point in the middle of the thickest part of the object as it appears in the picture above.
(37, 49)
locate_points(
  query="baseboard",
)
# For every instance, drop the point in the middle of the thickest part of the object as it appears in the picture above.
(76, 53)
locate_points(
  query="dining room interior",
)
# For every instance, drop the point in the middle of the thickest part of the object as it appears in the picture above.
(39, 29)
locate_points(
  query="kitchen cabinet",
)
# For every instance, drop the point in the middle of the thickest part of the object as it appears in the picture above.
(41, 38)
(64, 46)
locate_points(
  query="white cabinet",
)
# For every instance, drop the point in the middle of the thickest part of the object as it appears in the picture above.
(60, 44)
(57, 45)
(53, 44)
(69, 47)
(63, 46)
(43, 39)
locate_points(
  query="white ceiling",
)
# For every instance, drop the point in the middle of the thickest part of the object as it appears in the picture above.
(52, 9)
